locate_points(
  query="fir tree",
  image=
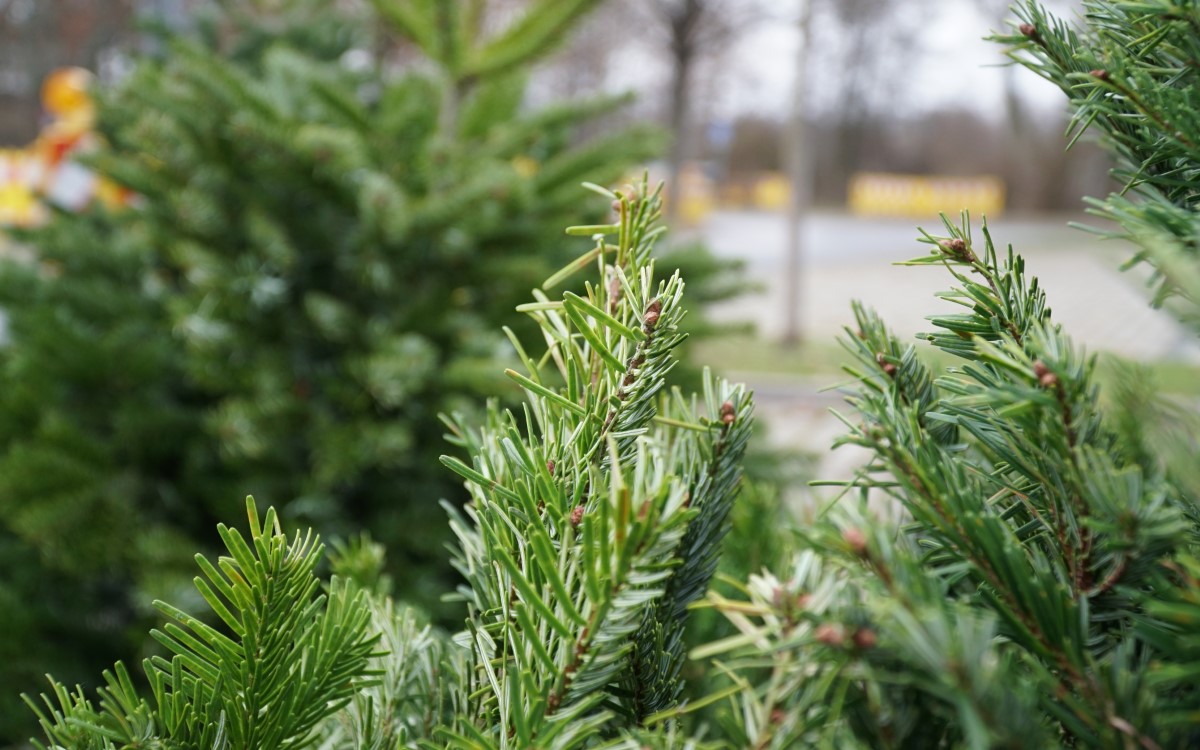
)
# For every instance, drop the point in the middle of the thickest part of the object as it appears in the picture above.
(314, 268)
(102, 457)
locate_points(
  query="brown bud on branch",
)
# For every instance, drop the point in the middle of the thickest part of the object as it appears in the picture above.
(1046, 378)
(956, 248)
(831, 634)
(614, 292)
(888, 367)
(650, 318)
(856, 541)
(728, 412)
(865, 639)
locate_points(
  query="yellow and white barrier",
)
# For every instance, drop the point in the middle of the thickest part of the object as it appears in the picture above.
(919, 196)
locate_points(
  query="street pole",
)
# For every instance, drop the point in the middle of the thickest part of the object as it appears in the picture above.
(799, 169)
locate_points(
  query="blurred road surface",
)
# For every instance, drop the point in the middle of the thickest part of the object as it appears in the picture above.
(847, 257)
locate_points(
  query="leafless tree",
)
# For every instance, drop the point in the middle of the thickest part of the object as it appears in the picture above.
(1031, 155)
(690, 30)
(860, 63)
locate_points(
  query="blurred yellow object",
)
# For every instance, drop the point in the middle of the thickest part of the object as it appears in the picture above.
(755, 191)
(65, 93)
(525, 166)
(772, 192)
(47, 172)
(697, 194)
(921, 196)
(20, 175)
(19, 207)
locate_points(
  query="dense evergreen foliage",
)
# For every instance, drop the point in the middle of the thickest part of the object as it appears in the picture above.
(323, 245)
(1017, 565)
(596, 515)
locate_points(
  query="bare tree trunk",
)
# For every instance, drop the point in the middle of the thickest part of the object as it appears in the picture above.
(683, 24)
(854, 116)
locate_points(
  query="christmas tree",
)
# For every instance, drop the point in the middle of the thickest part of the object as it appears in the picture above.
(322, 244)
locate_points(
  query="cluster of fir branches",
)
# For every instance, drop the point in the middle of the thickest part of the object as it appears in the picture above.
(596, 516)
(1041, 589)
(1023, 600)
(1130, 73)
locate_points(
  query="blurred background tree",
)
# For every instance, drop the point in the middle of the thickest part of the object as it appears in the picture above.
(688, 30)
(712, 71)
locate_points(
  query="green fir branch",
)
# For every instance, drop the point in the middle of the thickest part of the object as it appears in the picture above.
(295, 658)
(615, 501)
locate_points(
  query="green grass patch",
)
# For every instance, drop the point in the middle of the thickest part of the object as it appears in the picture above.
(748, 354)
